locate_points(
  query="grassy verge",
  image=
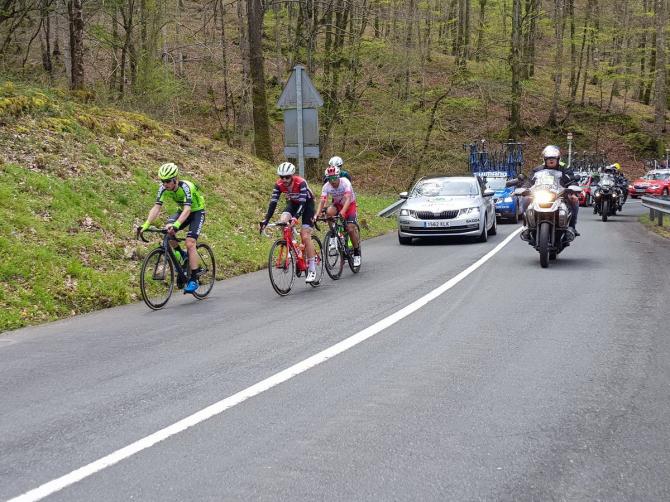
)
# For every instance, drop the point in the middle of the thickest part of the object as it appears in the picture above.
(663, 231)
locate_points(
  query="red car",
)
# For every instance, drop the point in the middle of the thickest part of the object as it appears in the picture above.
(655, 182)
(585, 196)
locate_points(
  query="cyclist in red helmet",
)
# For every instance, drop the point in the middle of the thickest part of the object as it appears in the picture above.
(344, 204)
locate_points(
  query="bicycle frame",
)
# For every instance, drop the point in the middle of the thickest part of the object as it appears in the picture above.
(289, 234)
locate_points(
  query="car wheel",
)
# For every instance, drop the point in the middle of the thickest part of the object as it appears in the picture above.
(494, 227)
(484, 236)
(404, 240)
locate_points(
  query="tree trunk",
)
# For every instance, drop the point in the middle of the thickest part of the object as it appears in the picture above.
(76, 20)
(515, 126)
(262, 140)
(558, 61)
(642, 50)
(480, 30)
(45, 36)
(573, 49)
(660, 102)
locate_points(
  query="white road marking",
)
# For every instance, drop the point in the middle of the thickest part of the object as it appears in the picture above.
(215, 409)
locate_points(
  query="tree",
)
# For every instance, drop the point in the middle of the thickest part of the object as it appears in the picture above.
(515, 62)
(262, 140)
(660, 102)
(558, 60)
(76, 20)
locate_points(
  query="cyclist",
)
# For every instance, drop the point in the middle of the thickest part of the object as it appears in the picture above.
(191, 212)
(338, 162)
(344, 204)
(300, 205)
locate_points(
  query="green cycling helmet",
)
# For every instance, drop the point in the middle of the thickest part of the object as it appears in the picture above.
(168, 171)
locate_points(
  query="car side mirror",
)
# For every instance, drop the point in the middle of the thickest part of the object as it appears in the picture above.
(403, 195)
(489, 193)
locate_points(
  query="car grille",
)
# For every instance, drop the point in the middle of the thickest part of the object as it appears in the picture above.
(443, 231)
(444, 215)
(641, 186)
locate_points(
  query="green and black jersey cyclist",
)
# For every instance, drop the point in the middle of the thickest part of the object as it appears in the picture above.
(191, 212)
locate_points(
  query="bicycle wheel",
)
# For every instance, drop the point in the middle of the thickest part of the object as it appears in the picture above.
(333, 257)
(207, 274)
(156, 279)
(350, 250)
(319, 261)
(281, 267)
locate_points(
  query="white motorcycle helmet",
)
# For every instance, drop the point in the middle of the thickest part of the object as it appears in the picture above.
(551, 152)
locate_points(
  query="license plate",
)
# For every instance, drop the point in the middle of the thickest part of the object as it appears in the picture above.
(436, 223)
(640, 189)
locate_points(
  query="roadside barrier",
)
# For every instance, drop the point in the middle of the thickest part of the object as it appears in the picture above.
(658, 207)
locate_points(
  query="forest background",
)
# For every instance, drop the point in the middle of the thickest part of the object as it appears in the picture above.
(405, 82)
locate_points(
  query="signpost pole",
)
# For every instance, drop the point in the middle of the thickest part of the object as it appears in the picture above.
(301, 145)
(569, 149)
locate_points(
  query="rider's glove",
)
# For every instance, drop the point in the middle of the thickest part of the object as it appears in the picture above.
(176, 225)
(294, 221)
(263, 224)
(145, 225)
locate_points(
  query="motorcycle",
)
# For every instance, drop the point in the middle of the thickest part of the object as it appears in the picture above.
(608, 198)
(548, 216)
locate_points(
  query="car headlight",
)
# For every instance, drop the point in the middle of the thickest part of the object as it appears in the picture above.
(655, 187)
(508, 199)
(404, 212)
(630, 187)
(469, 211)
(545, 197)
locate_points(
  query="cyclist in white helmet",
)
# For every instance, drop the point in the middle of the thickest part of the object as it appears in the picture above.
(300, 204)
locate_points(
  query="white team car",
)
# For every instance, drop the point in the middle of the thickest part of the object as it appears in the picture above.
(438, 206)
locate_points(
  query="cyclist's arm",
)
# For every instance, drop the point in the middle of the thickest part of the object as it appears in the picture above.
(153, 214)
(273, 203)
(182, 217)
(346, 200)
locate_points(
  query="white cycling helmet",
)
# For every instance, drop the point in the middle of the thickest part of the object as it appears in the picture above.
(336, 161)
(286, 169)
(551, 152)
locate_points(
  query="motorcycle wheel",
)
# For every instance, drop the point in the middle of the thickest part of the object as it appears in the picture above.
(605, 211)
(543, 244)
(553, 255)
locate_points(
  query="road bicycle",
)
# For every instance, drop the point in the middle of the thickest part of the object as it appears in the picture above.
(286, 259)
(338, 247)
(161, 269)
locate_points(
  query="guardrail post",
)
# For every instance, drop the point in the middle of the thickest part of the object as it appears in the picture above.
(652, 216)
(660, 219)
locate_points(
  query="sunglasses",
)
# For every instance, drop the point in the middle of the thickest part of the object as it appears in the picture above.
(165, 182)
(333, 178)
(286, 178)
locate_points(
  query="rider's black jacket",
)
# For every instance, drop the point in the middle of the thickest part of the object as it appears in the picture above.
(566, 180)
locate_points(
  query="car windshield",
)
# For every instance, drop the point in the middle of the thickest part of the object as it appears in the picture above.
(660, 176)
(444, 187)
(496, 183)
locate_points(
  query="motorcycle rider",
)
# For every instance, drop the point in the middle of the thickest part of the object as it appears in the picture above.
(551, 156)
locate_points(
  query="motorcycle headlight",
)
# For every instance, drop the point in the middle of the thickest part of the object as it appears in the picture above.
(545, 197)
(508, 199)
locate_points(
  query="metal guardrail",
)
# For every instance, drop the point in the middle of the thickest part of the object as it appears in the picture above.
(392, 209)
(657, 208)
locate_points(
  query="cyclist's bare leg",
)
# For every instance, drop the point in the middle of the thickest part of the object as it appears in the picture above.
(305, 236)
(353, 233)
(192, 254)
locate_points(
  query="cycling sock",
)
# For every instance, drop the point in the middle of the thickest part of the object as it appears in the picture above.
(311, 264)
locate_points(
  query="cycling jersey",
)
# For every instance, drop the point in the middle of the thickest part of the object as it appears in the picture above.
(298, 194)
(187, 194)
(338, 193)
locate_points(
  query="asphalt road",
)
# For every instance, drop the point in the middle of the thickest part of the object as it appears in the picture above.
(518, 383)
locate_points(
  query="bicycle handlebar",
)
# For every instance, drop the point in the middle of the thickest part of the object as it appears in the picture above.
(155, 230)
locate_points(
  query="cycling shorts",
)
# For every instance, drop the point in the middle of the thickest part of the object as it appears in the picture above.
(194, 222)
(352, 212)
(307, 213)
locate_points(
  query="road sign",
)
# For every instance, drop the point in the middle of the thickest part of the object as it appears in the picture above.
(300, 101)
